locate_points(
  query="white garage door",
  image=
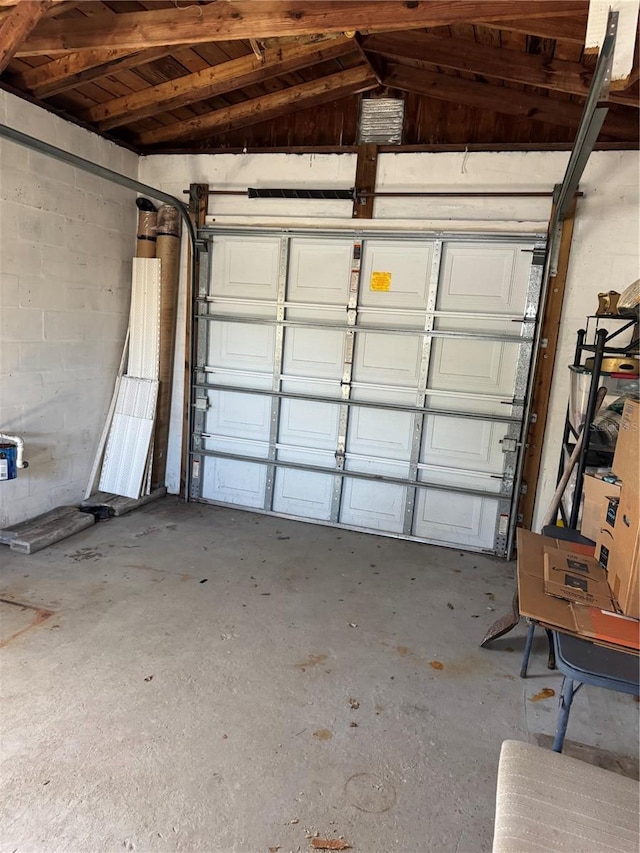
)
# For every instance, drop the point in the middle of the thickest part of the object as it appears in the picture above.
(373, 382)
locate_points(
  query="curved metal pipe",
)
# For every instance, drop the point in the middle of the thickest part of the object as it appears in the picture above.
(63, 156)
(19, 443)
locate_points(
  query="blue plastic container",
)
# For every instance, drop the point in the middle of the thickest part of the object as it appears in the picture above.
(8, 470)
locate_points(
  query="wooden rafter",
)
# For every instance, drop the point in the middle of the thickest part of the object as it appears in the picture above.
(73, 69)
(245, 19)
(225, 77)
(16, 25)
(427, 51)
(573, 29)
(498, 99)
(326, 89)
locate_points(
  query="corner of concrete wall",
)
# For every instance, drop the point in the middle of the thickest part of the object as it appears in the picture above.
(66, 243)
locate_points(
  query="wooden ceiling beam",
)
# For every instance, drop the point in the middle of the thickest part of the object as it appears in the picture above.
(573, 29)
(426, 51)
(246, 19)
(16, 25)
(217, 80)
(274, 105)
(500, 99)
(79, 67)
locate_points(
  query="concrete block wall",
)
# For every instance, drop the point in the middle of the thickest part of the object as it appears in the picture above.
(66, 243)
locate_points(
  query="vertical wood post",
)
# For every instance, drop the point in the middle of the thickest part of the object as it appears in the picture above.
(366, 170)
(552, 313)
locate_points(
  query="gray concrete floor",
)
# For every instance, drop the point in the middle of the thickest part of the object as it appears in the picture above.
(212, 680)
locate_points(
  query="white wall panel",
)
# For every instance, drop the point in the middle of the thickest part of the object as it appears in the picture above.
(144, 319)
(127, 449)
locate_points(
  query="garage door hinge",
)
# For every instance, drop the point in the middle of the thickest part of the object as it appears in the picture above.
(509, 445)
(202, 403)
(539, 255)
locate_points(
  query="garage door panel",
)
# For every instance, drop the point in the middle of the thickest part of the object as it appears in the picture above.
(485, 278)
(467, 365)
(241, 346)
(462, 443)
(234, 482)
(309, 424)
(320, 271)
(380, 433)
(464, 520)
(245, 267)
(387, 359)
(396, 275)
(304, 493)
(241, 415)
(316, 353)
(465, 402)
(377, 506)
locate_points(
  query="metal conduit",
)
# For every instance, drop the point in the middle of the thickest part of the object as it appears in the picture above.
(74, 160)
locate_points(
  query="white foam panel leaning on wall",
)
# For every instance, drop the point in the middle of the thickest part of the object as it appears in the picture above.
(144, 344)
(127, 450)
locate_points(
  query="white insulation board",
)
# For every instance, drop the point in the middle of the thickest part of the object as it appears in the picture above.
(130, 436)
(144, 342)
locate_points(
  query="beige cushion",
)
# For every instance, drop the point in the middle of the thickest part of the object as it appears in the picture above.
(548, 801)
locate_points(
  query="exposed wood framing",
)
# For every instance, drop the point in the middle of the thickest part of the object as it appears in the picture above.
(198, 208)
(245, 19)
(552, 313)
(213, 81)
(311, 94)
(427, 51)
(16, 25)
(498, 99)
(73, 69)
(366, 170)
(573, 29)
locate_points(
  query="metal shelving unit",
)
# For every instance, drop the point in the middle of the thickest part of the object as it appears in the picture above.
(594, 342)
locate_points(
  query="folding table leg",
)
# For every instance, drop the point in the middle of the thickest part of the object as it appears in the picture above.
(566, 698)
(527, 650)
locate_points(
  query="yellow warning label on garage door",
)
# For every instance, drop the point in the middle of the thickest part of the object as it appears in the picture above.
(380, 281)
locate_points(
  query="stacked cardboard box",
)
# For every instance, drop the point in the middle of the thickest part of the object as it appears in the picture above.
(618, 539)
(597, 494)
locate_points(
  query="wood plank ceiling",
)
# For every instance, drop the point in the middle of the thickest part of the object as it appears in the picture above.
(263, 74)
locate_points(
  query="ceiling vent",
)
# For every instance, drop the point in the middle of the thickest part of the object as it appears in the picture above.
(381, 121)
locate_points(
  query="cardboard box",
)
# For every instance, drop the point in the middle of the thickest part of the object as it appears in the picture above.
(626, 459)
(576, 577)
(606, 531)
(556, 613)
(607, 627)
(596, 495)
(534, 602)
(623, 553)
